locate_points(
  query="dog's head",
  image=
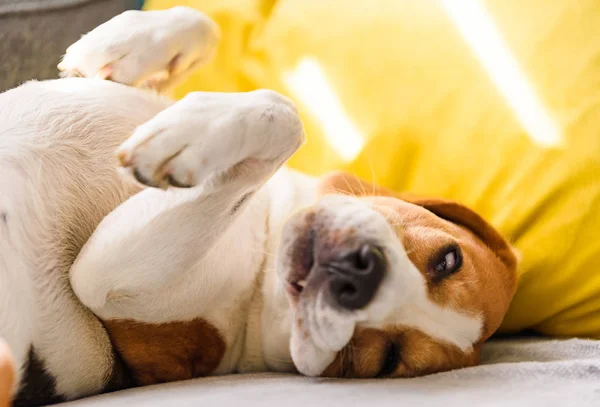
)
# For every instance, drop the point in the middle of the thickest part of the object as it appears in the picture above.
(382, 285)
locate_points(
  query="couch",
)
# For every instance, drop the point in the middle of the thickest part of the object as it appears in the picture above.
(514, 372)
(35, 33)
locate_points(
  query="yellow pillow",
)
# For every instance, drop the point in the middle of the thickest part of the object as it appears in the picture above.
(396, 92)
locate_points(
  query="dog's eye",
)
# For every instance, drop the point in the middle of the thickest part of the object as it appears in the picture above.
(447, 262)
(391, 360)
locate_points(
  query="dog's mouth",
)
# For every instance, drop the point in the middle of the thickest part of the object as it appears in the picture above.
(302, 265)
(332, 261)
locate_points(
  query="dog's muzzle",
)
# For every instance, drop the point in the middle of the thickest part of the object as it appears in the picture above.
(333, 260)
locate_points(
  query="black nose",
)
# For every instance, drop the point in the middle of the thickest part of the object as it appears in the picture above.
(356, 277)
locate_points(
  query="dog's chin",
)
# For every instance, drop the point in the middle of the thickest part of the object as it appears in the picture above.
(318, 333)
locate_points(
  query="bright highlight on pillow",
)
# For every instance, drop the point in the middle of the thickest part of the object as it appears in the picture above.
(310, 86)
(479, 31)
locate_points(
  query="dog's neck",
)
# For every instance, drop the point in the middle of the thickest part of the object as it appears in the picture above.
(267, 336)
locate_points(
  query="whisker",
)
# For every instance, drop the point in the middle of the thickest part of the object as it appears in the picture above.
(343, 192)
(350, 189)
(362, 185)
(409, 251)
(275, 359)
(264, 253)
(373, 177)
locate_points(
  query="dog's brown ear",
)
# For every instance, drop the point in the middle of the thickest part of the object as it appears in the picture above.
(344, 183)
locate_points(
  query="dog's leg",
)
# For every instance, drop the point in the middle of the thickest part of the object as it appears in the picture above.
(149, 49)
(226, 146)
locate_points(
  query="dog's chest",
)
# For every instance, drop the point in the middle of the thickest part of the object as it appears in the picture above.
(198, 324)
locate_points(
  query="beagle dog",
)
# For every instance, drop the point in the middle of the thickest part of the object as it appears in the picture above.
(202, 255)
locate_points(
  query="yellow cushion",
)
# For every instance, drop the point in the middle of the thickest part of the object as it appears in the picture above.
(393, 91)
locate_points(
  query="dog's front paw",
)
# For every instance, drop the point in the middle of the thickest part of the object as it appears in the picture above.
(144, 48)
(208, 134)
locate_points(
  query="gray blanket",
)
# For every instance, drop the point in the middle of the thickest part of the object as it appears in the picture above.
(523, 372)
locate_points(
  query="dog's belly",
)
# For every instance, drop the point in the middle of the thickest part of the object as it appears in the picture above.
(58, 181)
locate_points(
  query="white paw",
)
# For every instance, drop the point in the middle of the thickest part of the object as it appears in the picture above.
(144, 48)
(207, 134)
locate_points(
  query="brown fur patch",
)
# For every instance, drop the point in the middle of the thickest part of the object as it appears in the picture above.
(159, 353)
(419, 354)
